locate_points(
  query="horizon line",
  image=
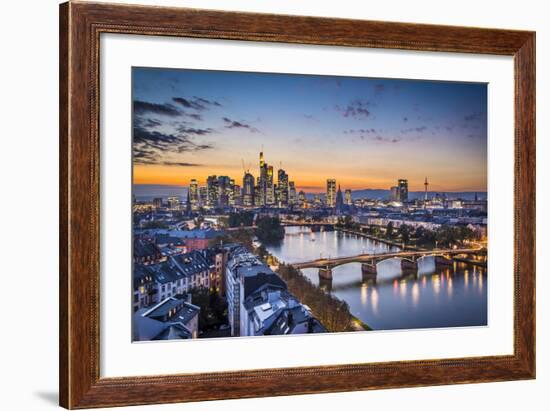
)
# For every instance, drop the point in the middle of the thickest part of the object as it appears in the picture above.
(322, 188)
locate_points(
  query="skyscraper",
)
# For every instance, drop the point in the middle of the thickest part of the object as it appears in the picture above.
(212, 188)
(291, 193)
(231, 193)
(225, 190)
(248, 189)
(339, 200)
(403, 186)
(262, 182)
(270, 190)
(203, 195)
(282, 186)
(194, 193)
(236, 195)
(394, 193)
(331, 192)
(347, 198)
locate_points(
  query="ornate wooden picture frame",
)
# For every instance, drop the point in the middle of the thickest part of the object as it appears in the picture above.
(81, 25)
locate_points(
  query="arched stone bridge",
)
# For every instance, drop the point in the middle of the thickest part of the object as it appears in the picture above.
(409, 260)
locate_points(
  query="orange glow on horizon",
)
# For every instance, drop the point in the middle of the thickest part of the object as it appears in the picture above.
(308, 181)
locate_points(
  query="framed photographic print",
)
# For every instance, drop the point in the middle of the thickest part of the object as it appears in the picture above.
(258, 205)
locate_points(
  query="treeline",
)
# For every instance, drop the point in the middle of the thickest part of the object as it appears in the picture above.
(333, 313)
(269, 229)
(242, 219)
(443, 236)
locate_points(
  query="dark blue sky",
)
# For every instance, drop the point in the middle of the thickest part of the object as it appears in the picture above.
(364, 132)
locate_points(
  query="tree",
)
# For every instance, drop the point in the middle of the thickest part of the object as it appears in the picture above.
(425, 237)
(269, 229)
(333, 313)
(405, 232)
(213, 308)
(389, 230)
(242, 219)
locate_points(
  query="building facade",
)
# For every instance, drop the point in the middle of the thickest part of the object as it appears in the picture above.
(331, 193)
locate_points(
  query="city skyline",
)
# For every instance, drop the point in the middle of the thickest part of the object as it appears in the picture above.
(365, 133)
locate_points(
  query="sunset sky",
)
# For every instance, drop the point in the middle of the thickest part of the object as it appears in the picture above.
(365, 133)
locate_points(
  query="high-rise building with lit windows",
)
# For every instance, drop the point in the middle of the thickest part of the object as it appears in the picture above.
(347, 198)
(248, 190)
(394, 193)
(282, 186)
(331, 192)
(173, 202)
(403, 186)
(194, 193)
(212, 187)
(291, 193)
(270, 189)
(339, 200)
(203, 195)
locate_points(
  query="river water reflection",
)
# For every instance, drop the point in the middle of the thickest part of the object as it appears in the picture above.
(450, 297)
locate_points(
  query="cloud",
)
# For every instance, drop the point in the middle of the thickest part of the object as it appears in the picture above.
(239, 124)
(194, 116)
(414, 130)
(379, 88)
(147, 122)
(194, 131)
(144, 107)
(474, 116)
(381, 139)
(152, 147)
(356, 109)
(188, 103)
(196, 103)
(181, 164)
(360, 131)
(208, 102)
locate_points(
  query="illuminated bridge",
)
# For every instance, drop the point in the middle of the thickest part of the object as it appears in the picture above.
(409, 260)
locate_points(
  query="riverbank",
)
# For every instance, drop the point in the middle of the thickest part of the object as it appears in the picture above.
(332, 312)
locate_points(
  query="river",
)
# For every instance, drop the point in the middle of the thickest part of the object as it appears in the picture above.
(452, 297)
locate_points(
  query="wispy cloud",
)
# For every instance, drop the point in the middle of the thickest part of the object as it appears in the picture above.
(356, 108)
(360, 131)
(144, 107)
(152, 146)
(195, 103)
(474, 116)
(181, 164)
(239, 124)
(419, 129)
